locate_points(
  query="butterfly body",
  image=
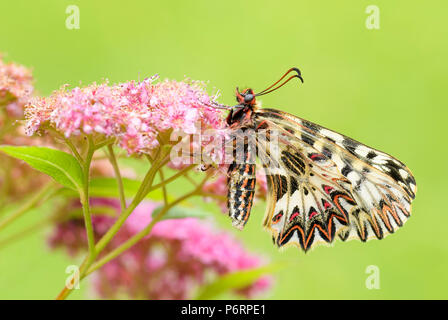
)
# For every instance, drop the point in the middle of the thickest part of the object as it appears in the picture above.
(241, 192)
(322, 185)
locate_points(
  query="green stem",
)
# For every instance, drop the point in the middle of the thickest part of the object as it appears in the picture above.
(173, 177)
(136, 238)
(84, 197)
(190, 179)
(145, 187)
(102, 243)
(165, 194)
(74, 150)
(141, 193)
(143, 233)
(69, 143)
(104, 143)
(113, 162)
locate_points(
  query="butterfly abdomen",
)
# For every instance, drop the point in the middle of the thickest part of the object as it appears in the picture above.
(241, 191)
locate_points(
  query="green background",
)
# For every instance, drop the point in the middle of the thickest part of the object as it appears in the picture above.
(383, 87)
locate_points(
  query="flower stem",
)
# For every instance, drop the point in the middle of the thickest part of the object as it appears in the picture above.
(69, 143)
(113, 162)
(146, 186)
(74, 150)
(173, 177)
(165, 195)
(103, 143)
(143, 233)
(136, 238)
(147, 181)
(84, 198)
(66, 290)
(102, 243)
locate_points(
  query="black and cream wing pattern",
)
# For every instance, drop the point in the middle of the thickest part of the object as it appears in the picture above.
(323, 185)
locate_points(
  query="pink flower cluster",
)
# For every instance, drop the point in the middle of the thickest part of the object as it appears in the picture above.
(16, 178)
(171, 263)
(15, 87)
(133, 112)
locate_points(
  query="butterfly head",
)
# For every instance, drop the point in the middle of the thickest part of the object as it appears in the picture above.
(245, 97)
(243, 110)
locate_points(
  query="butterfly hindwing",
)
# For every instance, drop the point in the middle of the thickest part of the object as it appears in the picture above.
(329, 185)
(306, 205)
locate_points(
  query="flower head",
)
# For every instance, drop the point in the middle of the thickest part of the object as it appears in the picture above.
(15, 87)
(15, 90)
(135, 113)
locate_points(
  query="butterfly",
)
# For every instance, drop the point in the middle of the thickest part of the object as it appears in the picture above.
(322, 185)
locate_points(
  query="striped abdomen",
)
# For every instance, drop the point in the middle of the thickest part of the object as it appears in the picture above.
(241, 191)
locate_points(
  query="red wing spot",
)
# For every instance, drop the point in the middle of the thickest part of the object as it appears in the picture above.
(317, 157)
(327, 189)
(277, 217)
(295, 214)
(326, 204)
(312, 212)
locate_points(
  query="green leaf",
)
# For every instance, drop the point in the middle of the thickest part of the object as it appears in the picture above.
(181, 212)
(61, 166)
(234, 281)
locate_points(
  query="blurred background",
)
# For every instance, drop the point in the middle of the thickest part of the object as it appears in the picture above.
(384, 87)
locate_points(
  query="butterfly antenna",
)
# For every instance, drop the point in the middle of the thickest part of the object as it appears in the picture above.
(271, 88)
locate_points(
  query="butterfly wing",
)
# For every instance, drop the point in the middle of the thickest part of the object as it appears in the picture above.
(324, 184)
